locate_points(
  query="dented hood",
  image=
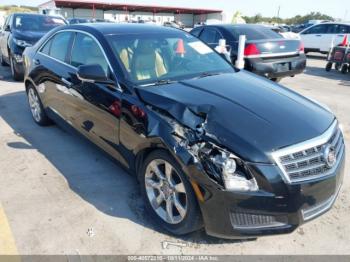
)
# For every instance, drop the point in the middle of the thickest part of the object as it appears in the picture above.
(248, 115)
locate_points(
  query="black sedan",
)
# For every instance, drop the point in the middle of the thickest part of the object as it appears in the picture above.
(211, 146)
(266, 52)
(20, 31)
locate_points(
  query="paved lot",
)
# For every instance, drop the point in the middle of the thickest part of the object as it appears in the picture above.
(60, 195)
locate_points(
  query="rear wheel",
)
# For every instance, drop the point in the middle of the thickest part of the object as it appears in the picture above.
(337, 66)
(168, 194)
(344, 69)
(37, 108)
(329, 66)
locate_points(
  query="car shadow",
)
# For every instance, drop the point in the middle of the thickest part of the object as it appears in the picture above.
(89, 172)
(333, 74)
(5, 74)
(317, 56)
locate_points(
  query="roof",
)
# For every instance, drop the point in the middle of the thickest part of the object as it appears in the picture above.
(129, 7)
(115, 29)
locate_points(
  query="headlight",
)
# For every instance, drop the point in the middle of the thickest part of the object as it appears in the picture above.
(234, 174)
(21, 43)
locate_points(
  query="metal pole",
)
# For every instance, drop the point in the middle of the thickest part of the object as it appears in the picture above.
(240, 56)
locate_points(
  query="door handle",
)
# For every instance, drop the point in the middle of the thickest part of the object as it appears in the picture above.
(36, 62)
(66, 82)
(340, 35)
(318, 35)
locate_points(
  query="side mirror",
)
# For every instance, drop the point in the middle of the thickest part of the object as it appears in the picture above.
(7, 28)
(92, 73)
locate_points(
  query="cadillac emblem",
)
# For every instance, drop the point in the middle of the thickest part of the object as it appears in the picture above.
(330, 156)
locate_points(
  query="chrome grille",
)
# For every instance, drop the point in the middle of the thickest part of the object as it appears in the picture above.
(307, 161)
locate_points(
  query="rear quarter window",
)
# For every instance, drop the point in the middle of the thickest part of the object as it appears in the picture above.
(254, 33)
(197, 31)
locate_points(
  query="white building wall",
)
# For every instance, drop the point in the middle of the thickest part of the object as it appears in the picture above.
(122, 16)
(87, 13)
(186, 19)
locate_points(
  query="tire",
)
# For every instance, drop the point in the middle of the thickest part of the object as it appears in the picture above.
(344, 69)
(36, 107)
(183, 220)
(276, 80)
(2, 61)
(329, 66)
(15, 75)
(337, 66)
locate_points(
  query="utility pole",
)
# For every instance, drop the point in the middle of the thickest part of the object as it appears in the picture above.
(278, 11)
(345, 15)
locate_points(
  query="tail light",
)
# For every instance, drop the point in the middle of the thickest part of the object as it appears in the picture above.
(138, 112)
(301, 47)
(251, 49)
(338, 56)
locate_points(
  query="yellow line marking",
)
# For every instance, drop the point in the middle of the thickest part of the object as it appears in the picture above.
(7, 242)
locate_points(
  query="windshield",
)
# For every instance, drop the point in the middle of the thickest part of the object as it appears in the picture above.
(154, 58)
(36, 23)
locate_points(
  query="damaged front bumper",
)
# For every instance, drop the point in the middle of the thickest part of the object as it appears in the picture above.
(276, 208)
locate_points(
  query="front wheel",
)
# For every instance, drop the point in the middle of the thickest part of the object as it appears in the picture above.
(168, 194)
(37, 108)
(15, 75)
(2, 60)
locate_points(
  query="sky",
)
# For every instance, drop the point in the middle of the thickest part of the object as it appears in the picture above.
(289, 8)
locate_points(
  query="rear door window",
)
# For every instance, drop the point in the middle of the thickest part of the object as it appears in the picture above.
(342, 29)
(60, 45)
(317, 30)
(210, 36)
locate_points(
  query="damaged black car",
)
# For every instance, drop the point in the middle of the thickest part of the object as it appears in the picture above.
(213, 147)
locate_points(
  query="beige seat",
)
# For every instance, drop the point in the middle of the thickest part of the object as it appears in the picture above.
(147, 63)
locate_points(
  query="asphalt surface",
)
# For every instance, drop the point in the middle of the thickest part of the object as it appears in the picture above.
(60, 195)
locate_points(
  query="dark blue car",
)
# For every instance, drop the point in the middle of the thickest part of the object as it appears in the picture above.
(23, 30)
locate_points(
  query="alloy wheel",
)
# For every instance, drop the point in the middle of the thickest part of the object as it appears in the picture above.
(166, 191)
(34, 104)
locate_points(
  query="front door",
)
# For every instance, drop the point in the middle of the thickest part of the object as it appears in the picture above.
(97, 106)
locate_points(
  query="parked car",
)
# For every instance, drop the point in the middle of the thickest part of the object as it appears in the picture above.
(319, 38)
(79, 20)
(211, 146)
(266, 53)
(299, 28)
(284, 32)
(22, 30)
(174, 24)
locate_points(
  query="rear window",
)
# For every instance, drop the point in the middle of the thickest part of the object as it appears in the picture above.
(254, 32)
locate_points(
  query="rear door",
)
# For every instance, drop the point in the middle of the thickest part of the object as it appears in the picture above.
(316, 37)
(53, 69)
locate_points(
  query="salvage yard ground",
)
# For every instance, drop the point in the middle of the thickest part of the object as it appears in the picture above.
(60, 195)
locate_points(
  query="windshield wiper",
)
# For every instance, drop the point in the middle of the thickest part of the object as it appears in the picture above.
(206, 74)
(161, 82)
